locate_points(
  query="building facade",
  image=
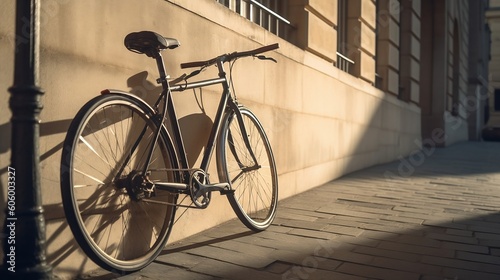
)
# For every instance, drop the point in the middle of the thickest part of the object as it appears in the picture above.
(493, 15)
(357, 83)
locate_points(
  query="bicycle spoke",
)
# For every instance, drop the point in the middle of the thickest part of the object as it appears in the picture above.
(88, 176)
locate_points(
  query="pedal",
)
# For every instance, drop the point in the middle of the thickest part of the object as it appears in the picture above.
(226, 192)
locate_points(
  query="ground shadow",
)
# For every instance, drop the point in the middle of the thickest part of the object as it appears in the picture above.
(442, 222)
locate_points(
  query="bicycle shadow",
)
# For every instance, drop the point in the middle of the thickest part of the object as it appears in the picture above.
(195, 128)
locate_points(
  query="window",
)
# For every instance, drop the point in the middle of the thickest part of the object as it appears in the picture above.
(497, 99)
(387, 46)
(409, 52)
(343, 62)
(456, 71)
(379, 17)
(266, 13)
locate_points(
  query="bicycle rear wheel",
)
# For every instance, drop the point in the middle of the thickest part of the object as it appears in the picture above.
(118, 231)
(255, 184)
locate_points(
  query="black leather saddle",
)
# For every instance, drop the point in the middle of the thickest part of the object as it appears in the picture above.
(149, 43)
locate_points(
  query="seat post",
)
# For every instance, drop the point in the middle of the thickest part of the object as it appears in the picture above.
(161, 70)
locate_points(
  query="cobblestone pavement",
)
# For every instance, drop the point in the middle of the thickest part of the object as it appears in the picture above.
(433, 215)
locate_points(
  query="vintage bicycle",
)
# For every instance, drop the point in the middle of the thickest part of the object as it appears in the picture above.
(124, 163)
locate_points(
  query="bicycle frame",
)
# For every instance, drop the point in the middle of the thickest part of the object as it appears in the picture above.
(169, 108)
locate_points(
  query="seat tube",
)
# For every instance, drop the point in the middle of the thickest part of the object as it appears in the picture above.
(165, 95)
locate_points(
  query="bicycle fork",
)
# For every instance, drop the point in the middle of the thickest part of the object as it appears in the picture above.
(244, 133)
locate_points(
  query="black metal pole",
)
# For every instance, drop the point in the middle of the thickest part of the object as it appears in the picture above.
(24, 246)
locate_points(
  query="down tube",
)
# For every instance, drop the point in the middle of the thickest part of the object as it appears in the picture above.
(176, 130)
(215, 129)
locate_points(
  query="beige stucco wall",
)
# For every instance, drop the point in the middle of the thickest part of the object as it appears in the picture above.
(322, 122)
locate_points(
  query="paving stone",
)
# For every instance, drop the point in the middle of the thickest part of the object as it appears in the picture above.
(160, 271)
(316, 262)
(296, 273)
(278, 229)
(300, 212)
(377, 272)
(459, 274)
(459, 232)
(343, 230)
(345, 212)
(379, 235)
(360, 241)
(278, 267)
(416, 249)
(461, 264)
(465, 247)
(404, 265)
(453, 238)
(419, 216)
(290, 215)
(417, 240)
(348, 221)
(387, 253)
(490, 243)
(347, 256)
(387, 226)
(300, 224)
(231, 256)
(495, 252)
(444, 223)
(244, 248)
(487, 236)
(226, 270)
(179, 259)
(478, 257)
(403, 219)
(314, 233)
(334, 221)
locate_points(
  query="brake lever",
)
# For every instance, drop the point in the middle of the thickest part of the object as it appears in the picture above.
(185, 76)
(177, 80)
(192, 74)
(263, 57)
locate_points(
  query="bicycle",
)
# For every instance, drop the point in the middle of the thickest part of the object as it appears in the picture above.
(124, 164)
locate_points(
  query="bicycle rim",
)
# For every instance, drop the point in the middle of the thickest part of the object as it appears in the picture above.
(255, 185)
(116, 232)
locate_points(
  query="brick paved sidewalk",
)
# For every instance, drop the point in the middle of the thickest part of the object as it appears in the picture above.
(434, 215)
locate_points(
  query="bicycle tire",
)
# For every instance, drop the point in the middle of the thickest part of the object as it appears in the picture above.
(116, 232)
(255, 196)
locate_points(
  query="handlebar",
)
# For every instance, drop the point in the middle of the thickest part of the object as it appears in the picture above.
(231, 56)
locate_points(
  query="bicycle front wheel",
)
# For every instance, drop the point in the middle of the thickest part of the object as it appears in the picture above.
(249, 168)
(105, 148)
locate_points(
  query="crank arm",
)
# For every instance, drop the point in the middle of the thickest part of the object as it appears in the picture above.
(224, 188)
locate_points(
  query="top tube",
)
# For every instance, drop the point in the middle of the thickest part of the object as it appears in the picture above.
(204, 83)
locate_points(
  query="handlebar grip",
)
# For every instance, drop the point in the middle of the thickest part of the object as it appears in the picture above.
(196, 63)
(266, 48)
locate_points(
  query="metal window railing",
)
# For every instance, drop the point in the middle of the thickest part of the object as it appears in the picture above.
(261, 12)
(343, 62)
